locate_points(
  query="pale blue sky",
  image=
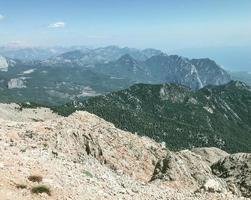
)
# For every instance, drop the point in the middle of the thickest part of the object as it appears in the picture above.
(163, 24)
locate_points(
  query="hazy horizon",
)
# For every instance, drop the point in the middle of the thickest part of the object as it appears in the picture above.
(230, 58)
(189, 28)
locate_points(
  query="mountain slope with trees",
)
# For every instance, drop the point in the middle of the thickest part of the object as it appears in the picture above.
(213, 116)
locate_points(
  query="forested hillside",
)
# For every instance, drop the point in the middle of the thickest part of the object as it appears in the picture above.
(213, 116)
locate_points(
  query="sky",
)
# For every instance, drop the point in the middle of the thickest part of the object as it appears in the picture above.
(162, 24)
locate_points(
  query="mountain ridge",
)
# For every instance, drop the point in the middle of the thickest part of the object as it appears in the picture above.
(162, 68)
(214, 115)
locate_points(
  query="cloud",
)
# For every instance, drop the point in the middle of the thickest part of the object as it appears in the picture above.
(57, 25)
(18, 44)
(1, 17)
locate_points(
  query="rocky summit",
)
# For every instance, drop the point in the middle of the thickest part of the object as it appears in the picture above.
(46, 156)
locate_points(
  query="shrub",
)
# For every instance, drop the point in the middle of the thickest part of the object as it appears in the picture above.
(21, 186)
(41, 189)
(35, 178)
(88, 174)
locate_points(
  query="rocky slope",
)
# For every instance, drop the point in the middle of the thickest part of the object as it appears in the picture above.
(84, 157)
(236, 170)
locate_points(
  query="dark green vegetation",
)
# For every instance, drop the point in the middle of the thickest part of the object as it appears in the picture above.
(41, 189)
(217, 116)
(87, 173)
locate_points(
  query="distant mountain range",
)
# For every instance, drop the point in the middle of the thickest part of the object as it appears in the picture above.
(146, 66)
(162, 68)
(216, 116)
(89, 57)
(32, 53)
(89, 72)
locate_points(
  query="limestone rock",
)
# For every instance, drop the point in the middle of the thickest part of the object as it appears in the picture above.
(16, 83)
(212, 185)
(210, 154)
(186, 169)
(3, 64)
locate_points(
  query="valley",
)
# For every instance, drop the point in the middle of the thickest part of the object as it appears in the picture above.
(125, 123)
(80, 74)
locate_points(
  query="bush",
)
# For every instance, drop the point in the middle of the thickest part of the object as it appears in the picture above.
(41, 189)
(35, 178)
(88, 174)
(21, 186)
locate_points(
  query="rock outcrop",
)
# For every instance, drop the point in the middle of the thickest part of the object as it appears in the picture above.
(236, 170)
(3, 64)
(84, 157)
(188, 170)
(210, 155)
(16, 83)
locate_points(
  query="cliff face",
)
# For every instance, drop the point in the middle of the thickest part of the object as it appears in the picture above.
(3, 64)
(45, 156)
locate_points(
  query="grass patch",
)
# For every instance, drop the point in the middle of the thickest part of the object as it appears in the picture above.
(41, 189)
(88, 174)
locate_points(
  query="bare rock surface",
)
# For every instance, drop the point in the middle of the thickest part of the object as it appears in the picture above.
(3, 64)
(16, 83)
(84, 157)
(186, 169)
(210, 154)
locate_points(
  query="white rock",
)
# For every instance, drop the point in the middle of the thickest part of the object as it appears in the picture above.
(3, 64)
(16, 83)
(212, 185)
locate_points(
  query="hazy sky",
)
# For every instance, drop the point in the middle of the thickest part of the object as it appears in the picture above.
(163, 24)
